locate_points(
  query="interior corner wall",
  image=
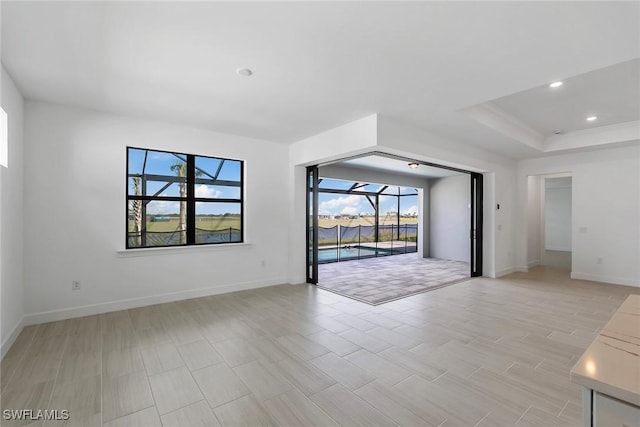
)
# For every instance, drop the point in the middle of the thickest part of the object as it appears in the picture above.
(75, 190)
(11, 218)
(533, 221)
(450, 217)
(605, 205)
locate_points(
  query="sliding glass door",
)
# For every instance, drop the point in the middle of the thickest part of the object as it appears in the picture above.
(312, 224)
(476, 224)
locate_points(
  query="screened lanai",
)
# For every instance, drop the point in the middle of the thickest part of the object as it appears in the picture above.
(417, 234)
(358, 220)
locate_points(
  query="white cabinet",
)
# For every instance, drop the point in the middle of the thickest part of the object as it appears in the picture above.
(610, 412)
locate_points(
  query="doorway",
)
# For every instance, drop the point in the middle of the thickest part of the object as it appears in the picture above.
(549, 221)
(377, 174)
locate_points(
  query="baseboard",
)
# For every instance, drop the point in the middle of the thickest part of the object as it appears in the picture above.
(504, 272)
(6, 345)
(558, 249)
(297, 280)
(125, 304)
(532, 264)
(606, 279)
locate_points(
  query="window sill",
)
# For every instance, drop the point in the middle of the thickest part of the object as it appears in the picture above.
(171, 250)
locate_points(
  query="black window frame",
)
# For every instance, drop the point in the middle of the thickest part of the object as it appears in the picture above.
(190, 199)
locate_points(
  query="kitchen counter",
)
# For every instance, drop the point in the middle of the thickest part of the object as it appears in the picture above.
(610, 367)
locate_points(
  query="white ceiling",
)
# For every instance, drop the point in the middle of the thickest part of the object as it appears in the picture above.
(316, 65)
(387, 164)
(611, 93)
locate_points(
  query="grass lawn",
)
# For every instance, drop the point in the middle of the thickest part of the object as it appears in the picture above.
(210, 223)
(368, 220)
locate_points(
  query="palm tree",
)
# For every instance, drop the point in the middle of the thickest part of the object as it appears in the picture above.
(136, 207)
(180, 169)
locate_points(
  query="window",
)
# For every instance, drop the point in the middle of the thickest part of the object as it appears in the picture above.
(177, 199)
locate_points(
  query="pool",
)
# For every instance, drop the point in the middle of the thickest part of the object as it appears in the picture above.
(350, 252)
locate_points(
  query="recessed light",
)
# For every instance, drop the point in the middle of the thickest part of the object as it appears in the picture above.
(244, 72)
(413, 165)
(592, 118)
(556, 84)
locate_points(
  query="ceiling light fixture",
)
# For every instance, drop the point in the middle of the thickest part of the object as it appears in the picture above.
(555, 84)
(557, 132)
(413, 165)
(592, 118)
(244, 72)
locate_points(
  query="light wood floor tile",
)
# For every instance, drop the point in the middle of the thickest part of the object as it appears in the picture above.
(86, 326)
(116, 321)
(77, 366)
(294, 409)
(36, 370)
(160, 358)
(119, 339)
(46, 345)
(394, 338)
(490, 352)
(83, 343)
(302, 347)
(440, 402)
(220, 384)
(125, 395)
(8, 367)
(306, 377)
(244, 412)
(268, 350)
(145, 418)
(263, 383)
(334, 342)
(60, 327)
(197, 414)
(120, 362)
(394, 406)
(412, 362)
(378, 367)
(26, 396)
(343, 371)
(199, 354)
(174, 389)
(152, 335)
(348, 409)
(236, 351)
(82, 398)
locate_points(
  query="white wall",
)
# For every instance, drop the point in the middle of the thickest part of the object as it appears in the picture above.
(605, 211)
(11, 214)
(534, 223)
(557, 214)
(450, 218)
(75, 211)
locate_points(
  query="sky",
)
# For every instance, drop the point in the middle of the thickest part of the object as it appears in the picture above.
(342, 204)
(159, 163)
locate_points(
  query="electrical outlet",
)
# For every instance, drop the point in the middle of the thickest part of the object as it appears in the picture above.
(75, 285)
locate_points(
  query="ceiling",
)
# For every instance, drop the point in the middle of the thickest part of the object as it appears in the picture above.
(396, 166)
(612, 94)
(317, 65)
